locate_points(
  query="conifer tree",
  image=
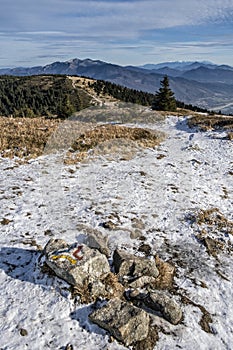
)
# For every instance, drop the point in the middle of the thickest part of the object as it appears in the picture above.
(164, 98)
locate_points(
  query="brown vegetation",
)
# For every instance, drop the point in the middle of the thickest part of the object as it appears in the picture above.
(29, 138)
(25, 137)
(211, 122)
(213, 218)
(113, 139)
(214, 230)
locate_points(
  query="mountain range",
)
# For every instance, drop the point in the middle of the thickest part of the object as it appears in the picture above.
(199, 83)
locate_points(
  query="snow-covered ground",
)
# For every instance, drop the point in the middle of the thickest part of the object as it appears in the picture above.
(150, 197)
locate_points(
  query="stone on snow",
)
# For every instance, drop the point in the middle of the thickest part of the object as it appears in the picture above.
(159, 301)
(124, 321)
(98, 241)
(76, 264)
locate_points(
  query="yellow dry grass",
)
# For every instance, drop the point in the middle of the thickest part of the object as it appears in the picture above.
(111, 139)
(211, 122)
(25, 137)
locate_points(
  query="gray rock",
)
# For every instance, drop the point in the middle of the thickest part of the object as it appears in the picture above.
(142, 282)
(76, 264)
(130, 267)
(55, 244)
(98, 241)
(124, 321)
(159, 301)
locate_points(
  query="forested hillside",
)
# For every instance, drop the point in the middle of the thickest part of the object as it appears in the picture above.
(40, 96)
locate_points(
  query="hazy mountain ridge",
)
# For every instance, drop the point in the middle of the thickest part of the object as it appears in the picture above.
(199, 83)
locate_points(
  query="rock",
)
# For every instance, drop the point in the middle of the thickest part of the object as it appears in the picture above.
(106, 288)
(145, 248)
(130, 267)
(23, 332)
(143, 281)
(124, 321)
(98, 241)
(55, 244)
(69, 347)
(159, 301)
(109, 225)
(76, 264)
(150, 341)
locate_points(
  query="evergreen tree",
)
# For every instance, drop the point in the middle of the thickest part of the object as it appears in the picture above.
(164, 99)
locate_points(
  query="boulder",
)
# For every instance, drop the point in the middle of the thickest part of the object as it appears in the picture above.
(77, 264)
(123, 321)
(130, 267)
(159, 301)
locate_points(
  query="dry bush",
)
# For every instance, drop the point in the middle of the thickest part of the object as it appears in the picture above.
(213, 218)
(211, 122)
(25, 137)
(213, 230)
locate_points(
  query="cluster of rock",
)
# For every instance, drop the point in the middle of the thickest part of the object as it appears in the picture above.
(136, 289)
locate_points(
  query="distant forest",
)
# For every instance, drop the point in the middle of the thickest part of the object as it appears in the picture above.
(134, 96)
(54, 95)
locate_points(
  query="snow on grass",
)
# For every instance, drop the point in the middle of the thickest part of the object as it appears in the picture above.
(148, 199)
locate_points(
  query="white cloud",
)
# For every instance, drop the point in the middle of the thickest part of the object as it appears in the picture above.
(91, 26)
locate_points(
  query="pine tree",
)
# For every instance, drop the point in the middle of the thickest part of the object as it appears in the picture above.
(164, 98)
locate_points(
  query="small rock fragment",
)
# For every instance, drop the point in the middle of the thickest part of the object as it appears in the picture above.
(69, 347)
(124, 321)
(23, 332)
(5, 221)
(109, 225)
(130, 267)
(142, 282)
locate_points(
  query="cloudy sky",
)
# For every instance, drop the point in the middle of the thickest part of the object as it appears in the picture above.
(37, 32)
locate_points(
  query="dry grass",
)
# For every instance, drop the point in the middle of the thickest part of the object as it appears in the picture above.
(214, 219)
(113, 139)
(25, 137)
(214, 231)
(211, 122)
(29, 138)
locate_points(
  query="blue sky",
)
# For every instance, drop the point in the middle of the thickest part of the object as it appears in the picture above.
(37, 32)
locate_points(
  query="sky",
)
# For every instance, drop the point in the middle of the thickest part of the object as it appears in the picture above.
(125, 32)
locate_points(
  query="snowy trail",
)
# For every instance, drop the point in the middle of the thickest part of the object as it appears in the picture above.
(150, 196)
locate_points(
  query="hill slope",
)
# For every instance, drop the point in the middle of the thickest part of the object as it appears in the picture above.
(40, 95)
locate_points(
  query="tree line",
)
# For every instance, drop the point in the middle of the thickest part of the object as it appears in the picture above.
(163, 99)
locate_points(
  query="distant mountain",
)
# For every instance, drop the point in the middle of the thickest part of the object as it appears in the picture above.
(205, 74)
(178, 65)
(200, 83)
